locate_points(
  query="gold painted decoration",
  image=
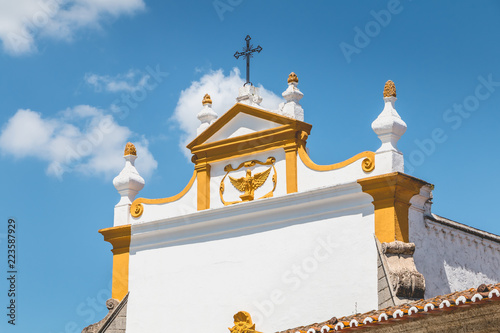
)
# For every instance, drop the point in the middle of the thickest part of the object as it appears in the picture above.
(293, 78)
(130, 149)
(119, 237)
(249, 183)
(368, 164)
(243, 323)
(389, 89)
(136, 209)
(206, 99)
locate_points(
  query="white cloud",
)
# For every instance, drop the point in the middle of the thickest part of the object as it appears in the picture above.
(131, 81)
(23, 21)
(82, 139)
(223, 90)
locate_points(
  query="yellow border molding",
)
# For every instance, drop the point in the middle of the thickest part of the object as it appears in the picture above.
(119, 237)
(368, 163)
(291, 167)
(203, 176)
(391, 194)
(136, 209)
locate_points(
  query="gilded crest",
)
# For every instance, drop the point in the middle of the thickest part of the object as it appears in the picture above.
(130, 149)
(389, 89)
(293, 78)
(243, 323)
(206, 99)
(250, 182)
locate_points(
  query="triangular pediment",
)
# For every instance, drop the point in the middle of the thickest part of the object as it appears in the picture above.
(244, 129)
(242, 120)
(241, 124)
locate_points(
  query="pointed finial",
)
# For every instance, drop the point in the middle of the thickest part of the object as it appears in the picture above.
(206, 99)
(130, 149)
(207, 116)
(389, 89)
(293, 78)
(389, 126)
(292, 108)
(128, 183)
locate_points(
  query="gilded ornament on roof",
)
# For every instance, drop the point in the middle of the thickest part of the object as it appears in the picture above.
(293, 78)
(130, 149)
(206, 99)
(390, 89)
(249, 183)
(243, 323)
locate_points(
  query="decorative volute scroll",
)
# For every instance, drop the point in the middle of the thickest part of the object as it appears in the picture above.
(292, 108)
(207, 116)
(243, 323)
(389, 126)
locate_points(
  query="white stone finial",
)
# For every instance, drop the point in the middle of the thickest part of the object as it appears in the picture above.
(292, 108)
(389, 126)
(128, 183)
(207, 116)
(249, 95)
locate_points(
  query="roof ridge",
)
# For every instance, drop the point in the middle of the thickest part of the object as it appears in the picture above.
(437, 304)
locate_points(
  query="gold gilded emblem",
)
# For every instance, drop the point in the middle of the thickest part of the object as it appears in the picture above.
(243, 323)
(249, 183)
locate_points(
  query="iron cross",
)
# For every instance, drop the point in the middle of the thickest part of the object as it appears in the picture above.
(247, 54)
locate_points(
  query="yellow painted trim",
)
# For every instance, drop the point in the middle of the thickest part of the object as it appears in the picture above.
(291, 168)
(250, 110)
(245, 144)
(136, 209)
(368, 163)
(203, 176)
(248, 144)
(391, 198)
(119, 237)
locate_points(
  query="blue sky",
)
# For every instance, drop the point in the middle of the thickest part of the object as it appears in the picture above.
(142, 67)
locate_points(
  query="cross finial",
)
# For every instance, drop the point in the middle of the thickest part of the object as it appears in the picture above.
(247, 54)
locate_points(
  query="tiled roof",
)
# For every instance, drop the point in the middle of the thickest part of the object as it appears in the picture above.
(398, 313)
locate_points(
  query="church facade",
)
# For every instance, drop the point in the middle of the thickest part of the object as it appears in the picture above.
(264, 234)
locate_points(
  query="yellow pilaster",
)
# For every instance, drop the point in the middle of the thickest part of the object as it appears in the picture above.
(119, 237)
(291, 167)
(391, 197)
(203, 180)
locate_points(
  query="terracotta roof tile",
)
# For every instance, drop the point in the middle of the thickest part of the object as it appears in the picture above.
(393, 314)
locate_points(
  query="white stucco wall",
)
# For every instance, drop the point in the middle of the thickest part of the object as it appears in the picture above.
(453, 260)
(187, 204)
(309, 179)
(288, 260)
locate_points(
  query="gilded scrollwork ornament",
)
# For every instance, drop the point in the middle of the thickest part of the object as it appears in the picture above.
(250, 182)
(243, 323)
